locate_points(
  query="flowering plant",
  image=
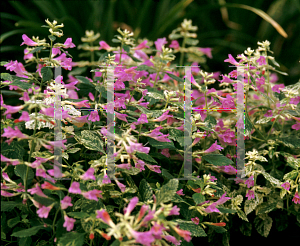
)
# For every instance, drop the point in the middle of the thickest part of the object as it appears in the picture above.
(149, 205)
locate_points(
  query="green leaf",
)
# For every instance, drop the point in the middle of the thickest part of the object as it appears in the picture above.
(217, 229)
(246, 229)
(263, 224)
(2, 63)
(166, 174)
(3, 235)
(242, 215)
(25, 241)
(250, 205)
(210, 121)
(217, 159)
(264, 120)
(72, 239)
(8, 205)
(175, 77)
(154, 95)
(134, 58)
(267, 208)
(198, 198)
(271, 179)
(20, 84)
(13, 151)
(145, 191)
(177, 135)
(83, 80)
(248, 127)
(6, 76)
(52, 38)
(131, 171)
(145, 157)
(293, 162)
(47, 73)
(12, 222)
(282, 221)
(20, 170)
(291, 142)
(161, 145)
(126, 48)
(116, 40)
(190, 41)
(37, 49)
(226, 210)
(43, 200)
(146, 68)
(167, 191)
(115, 243)
(78, 215)
(27, 232)
(195, 230)
(291, 175)
(91, 141)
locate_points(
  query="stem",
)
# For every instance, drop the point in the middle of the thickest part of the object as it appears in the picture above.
(268, 79)
(181, 55)
(31, 150)
(121, 52)
(50, 54)
(139, 132)
(53, 228)
(156, 76)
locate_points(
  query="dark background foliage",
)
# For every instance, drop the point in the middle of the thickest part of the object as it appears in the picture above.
(156, 19)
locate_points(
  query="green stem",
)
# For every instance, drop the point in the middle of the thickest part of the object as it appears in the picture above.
(139, 132)
(53, 225)
(121, 52)
(182, 52)
(31, 149)
(50, 54)
(157, 74)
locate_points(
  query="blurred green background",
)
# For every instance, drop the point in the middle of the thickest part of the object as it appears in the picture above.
(228, 33)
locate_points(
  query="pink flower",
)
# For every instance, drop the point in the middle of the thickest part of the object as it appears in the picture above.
(195, 220)
(91, 96)
(172, 239)
(43, 212)
(106, 180)
(249, 182)
(69, 223)
(142, 45)
(159, 43)
(27, 56)
(121, 116)
(180, 192)
(40, 172)
(89, 174)
(136, 147)
(222, 199)
(174, 44)
(213, 148)
(269, 113)
(92, 195)
(142, 211)
(295, 100)
(261, 61)
(260, 82)
(131, 205)
(74, 188)
(154, 168)
(13, 133)
(225, 79)
(94, 116)
(12, 109)
(228, 102)
(157, 230)
(24, 116)
(142, 120)
(250, 194)
(228, 169)
(165, 152)
(231, 60)
(174, 211)
(68, 43)
(212, 178)
(276, 88)
(140, 164)
(14, 162)
(296, 126)
(81, 104)
(207, 52)
(103, 215)
(185, 234)
(296, 198)
(104, 45)
(66, 202)
(286, 185)
(228, 136)
(28, 41)
(163, 116)
(121, 186)
(144, 238)
(211, 208)
(7, 194)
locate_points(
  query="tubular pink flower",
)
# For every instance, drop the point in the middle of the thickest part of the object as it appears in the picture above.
(250, 194)
(41, 173)
(144, 238)
(9, 161)
(74, 188)
(142, 45)
(180, 192)
(66, 202)
(89, 174)
(207, 52)
(231, 60)
(164, 116)
(102, 214)
(131, 205)
(28, 41)
(213, 148)
(36, 190)
(159, 43)
(222, 199)
(27, 56)
(296, 198)
(92, 195)
(121, 116)
(7, 194)
(276, 88)
(249, 182)
(174, 211)
(212, 208)
(121, 186)
(68, 43)
(43, 212)
(94, 116)
(286, 185)
(69, 223)
(195, 220)
(91, 96)
(142, 212)
(154, 168)
(157, 230)
(81, 104)
(185, 234)
(172, 239)
(12, 109)
(104, 45)
(296, 126)
(174, 44)
(165, 152)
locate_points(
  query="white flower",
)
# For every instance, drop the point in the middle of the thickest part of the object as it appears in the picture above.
(71, 110)
(40, 122)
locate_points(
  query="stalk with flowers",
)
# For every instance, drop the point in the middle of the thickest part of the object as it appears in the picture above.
(144, 202)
